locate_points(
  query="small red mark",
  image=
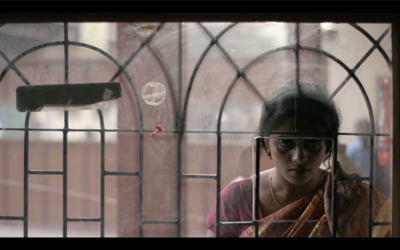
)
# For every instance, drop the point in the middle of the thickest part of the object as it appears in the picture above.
(158, 131)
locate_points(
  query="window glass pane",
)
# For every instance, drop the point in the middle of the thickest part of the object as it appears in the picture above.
(153, 162)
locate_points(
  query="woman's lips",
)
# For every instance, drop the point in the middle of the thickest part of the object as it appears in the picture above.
(299, 171)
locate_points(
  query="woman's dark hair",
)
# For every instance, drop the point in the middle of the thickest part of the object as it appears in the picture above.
(309, 106)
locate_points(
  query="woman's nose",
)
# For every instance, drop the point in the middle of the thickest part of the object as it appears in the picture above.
(299, 155)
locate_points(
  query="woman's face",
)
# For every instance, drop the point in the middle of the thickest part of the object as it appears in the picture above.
(297, 158)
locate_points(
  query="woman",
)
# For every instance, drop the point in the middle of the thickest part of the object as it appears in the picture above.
(295, 195)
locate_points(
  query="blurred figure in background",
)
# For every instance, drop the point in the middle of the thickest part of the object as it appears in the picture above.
(359, 149)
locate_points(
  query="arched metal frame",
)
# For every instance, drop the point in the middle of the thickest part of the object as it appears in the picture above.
(181, 115)
(351, 74)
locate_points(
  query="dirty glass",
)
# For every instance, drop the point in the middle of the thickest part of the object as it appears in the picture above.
(152, 162)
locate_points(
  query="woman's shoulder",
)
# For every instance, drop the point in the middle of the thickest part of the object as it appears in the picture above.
(240, 182)
(237, 186)
(244, 183)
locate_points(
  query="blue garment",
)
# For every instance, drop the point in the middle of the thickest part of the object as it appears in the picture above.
(359, 153)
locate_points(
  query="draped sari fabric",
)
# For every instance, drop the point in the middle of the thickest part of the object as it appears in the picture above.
(306, 218)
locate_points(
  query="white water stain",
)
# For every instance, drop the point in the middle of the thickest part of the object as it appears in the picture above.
(153, 93)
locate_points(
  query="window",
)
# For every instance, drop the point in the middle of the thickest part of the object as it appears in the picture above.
(153, 162)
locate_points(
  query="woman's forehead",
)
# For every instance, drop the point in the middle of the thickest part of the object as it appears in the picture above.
(293, 125)
(298, 137)
(290, 128)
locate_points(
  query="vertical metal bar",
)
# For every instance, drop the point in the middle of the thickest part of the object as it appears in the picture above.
(371, 176)
(219, 152)
(141, 182)
(333, 190)
(218, 183)
(66, 54)
(256, 196)
(180, 80)
(180, 132)
(102, 171)
(396, 130)
(296, 52)
(65, 133)
(26, 169)
(297, 66)
(180, 135)
(65, 164)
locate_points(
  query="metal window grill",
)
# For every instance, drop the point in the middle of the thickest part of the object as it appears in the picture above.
(180, 101)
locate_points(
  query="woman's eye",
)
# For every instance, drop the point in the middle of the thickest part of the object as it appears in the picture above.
(312, 144)
(285, 143)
